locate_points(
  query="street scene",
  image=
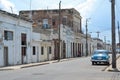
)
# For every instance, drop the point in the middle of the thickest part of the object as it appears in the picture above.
(59, 40)
(70, 69)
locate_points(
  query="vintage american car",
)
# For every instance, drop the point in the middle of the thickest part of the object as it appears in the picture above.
(100, 56)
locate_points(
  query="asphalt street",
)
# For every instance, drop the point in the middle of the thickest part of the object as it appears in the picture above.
(75, 69)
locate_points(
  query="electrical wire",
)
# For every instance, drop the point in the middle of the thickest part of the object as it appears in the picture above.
(70, 1)
(77, 4)
(117, 10)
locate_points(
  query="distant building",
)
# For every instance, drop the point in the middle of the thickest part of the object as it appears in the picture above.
(118, 45)
(98, 43)
(49, 19)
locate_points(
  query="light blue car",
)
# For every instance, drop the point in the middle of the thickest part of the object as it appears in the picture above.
(100, 56)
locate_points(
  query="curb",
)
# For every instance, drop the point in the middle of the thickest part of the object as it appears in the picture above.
(32, 65)
(109, 69)
(10, 68)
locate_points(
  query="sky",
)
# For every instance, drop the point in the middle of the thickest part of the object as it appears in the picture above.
(97, 11)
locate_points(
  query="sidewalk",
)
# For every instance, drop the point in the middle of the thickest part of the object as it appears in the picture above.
(109, 68)
(32, 64)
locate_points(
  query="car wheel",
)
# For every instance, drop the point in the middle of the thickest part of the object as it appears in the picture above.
(108, 63)
(92, 63)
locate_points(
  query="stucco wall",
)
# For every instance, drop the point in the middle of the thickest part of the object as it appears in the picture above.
(36, 42)
(17, 26)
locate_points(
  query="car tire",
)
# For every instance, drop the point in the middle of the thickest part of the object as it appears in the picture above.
(108, 63)
(92, 63)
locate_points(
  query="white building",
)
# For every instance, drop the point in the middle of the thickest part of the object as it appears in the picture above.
(36, 51)
(15, 39)
(67, 37)
(47, 47)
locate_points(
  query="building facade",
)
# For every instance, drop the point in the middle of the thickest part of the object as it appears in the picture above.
(15, 39)
(48, 22)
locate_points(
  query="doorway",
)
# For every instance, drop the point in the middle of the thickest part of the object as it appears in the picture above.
(5, 56)
(23, 47)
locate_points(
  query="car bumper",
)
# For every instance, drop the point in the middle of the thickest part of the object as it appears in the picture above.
(100, 60)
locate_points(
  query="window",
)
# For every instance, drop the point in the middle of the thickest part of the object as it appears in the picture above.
(8, 35)
(42, 50)
(34, 51)
(64, 20)
(23, 39)
(53, 22)
(45, 24)
(49, 50)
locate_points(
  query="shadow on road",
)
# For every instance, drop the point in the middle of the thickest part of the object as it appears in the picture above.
(101, 64)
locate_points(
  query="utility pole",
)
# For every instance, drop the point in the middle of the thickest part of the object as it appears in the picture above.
(118, 36)
(97, 38)
(59, 40)
(86, 37)
(105, 41)
(113, 34)
(98, 34)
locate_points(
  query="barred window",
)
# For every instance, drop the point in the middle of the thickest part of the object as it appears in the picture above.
(8, 35)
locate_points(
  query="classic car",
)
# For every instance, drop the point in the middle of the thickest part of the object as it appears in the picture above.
(100, 56)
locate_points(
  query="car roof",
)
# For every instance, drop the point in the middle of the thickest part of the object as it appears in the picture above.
(101, 50)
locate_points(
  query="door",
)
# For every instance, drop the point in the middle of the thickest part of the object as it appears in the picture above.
(23, 54)
(5, 56)
(38, 55)
(23, 48)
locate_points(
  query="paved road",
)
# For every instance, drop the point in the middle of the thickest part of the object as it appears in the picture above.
(77, 69)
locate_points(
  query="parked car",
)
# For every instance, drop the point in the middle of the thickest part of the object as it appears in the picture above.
(117, 50)
(100, 56)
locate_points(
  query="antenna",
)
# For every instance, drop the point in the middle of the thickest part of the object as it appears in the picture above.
(30, 15)
(30, 4)
(11, 9)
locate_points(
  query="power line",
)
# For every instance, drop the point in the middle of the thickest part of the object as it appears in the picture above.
(70, 1)
(77, 4)
(117, 10)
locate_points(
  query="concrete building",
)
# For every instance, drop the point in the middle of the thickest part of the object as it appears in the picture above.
(42, 43)
(108, 47)
(15, 39)
(36, 47)
(47, 22)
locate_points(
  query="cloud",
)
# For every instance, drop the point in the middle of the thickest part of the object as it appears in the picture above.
(8, 6)
(86, 7)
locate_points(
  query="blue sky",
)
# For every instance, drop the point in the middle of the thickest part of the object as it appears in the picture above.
(98, 10)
